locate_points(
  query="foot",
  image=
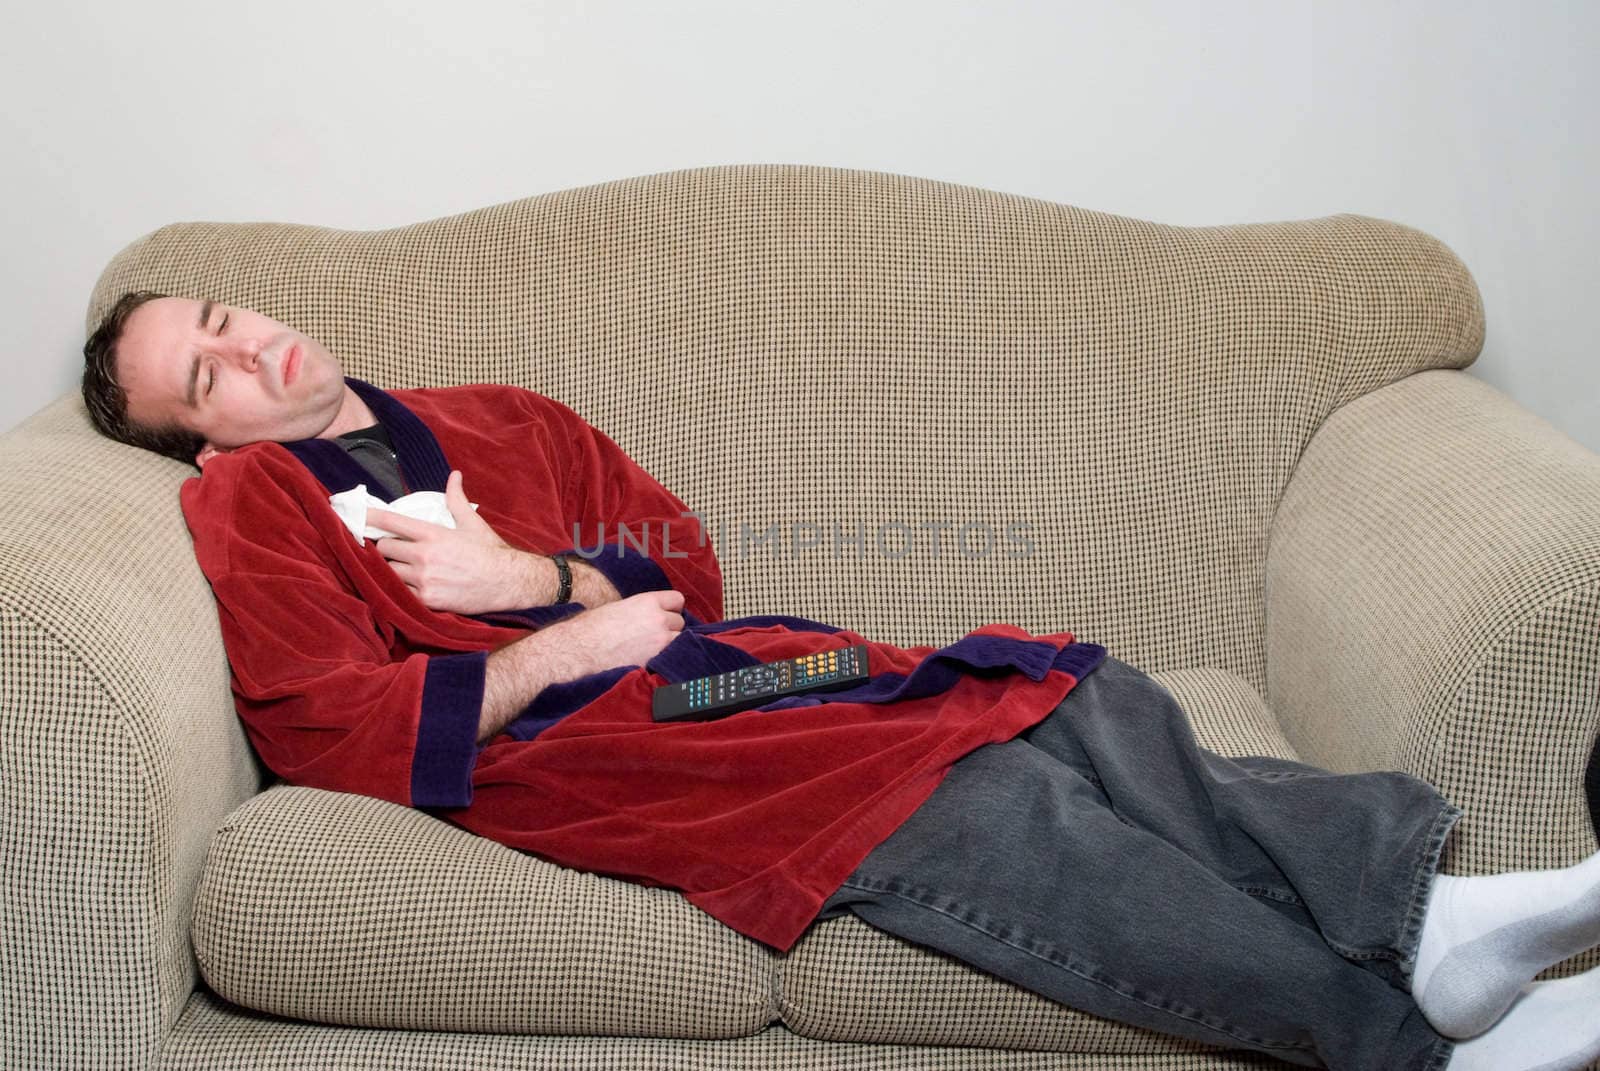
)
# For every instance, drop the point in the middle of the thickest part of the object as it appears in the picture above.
(1551, 1026)
(1484, 938)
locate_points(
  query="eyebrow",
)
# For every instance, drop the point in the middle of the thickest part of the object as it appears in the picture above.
(194, 365)
(194, 380)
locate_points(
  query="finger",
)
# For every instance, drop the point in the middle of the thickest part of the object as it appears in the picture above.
(398, 523)
(669, 599)
(407, 573)
(399, 550)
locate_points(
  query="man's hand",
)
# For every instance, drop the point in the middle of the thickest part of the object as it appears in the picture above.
(465, 570)
(628, 632)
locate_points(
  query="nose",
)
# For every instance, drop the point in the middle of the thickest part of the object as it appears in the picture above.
(244, 352)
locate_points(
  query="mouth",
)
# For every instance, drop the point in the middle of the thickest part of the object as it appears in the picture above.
(291, 364)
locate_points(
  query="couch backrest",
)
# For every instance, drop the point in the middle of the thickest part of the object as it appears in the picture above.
(1102, 412)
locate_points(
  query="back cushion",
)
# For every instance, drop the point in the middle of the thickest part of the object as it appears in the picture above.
(902, 406)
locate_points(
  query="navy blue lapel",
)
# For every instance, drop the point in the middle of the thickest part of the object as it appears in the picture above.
(423, 465)
(422, 461)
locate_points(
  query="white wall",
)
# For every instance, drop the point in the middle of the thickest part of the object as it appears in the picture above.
(1474, 121)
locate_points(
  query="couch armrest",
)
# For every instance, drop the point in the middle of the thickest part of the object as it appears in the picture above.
(119, 749)
(1433, 606)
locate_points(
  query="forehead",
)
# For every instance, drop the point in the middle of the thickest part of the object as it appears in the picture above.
(152, 358)
(164, 319)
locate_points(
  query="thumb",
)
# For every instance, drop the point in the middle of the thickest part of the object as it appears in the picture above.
(455, 500)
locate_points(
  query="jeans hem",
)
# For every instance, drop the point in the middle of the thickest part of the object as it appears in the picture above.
(1417, 910)
(1439, 1058)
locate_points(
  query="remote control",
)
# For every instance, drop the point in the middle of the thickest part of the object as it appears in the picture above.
(717, 696)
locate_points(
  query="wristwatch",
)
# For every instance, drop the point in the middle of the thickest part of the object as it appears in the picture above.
(564, 591)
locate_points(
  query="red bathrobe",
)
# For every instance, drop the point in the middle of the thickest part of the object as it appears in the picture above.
(345, 681)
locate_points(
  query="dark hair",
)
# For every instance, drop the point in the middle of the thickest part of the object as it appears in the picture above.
(108, 402)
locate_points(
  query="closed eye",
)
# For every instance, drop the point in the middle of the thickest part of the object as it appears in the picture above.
(223, 326)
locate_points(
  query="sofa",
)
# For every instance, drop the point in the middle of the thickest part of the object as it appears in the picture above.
(1245, 458)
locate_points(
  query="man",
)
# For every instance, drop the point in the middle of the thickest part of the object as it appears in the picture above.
(1022, 802)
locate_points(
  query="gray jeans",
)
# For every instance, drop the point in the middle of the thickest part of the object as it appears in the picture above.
(1105, 861)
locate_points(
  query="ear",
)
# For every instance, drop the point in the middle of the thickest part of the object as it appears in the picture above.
(207, 452)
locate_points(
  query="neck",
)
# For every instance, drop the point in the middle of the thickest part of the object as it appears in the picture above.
(353, 414)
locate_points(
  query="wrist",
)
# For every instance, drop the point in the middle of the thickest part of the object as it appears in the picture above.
(533, 580)
(515, 674)
(590, 586)
(563, 579)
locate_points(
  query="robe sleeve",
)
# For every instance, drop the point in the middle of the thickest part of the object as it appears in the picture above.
(324, 701)
(630, 527)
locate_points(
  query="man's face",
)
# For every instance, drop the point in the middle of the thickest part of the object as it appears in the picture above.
(229, 374)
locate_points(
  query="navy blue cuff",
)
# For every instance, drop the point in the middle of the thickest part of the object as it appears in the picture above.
(630, 570)
(1080, 659)
(534, 617)
(447, 733)
(940, 670)
(559, 700)
(793, 624)
(692, 655)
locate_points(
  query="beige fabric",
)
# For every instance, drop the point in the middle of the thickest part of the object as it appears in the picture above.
(1461, 607)
(342, 909)
(923, 353)
(117, 757)
(215, 1035)
(1227, 715)
(345, 909)
(847, 982)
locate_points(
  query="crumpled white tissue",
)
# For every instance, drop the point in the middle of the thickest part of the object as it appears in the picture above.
(352, 506)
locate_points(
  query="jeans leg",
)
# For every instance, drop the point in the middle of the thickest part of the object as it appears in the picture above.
(1023, 867)
(1351, 854)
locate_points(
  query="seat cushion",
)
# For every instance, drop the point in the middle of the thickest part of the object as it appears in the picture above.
(845, 981)
(342, 909)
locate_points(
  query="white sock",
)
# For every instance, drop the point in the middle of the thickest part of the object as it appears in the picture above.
(1484, 938)
(1552, 1026)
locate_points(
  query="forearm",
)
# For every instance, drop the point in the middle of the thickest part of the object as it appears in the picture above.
(538, 581)
(519, 671)
(589, 585)
(625, 632)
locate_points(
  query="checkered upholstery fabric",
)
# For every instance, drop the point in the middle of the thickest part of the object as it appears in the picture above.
(117, 759)
(1089, 418)
(1227, 715)
(213, 1034)
(847, 982)
(1465, 585)
(298, 916)
(1104, 423)
(344, 909)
